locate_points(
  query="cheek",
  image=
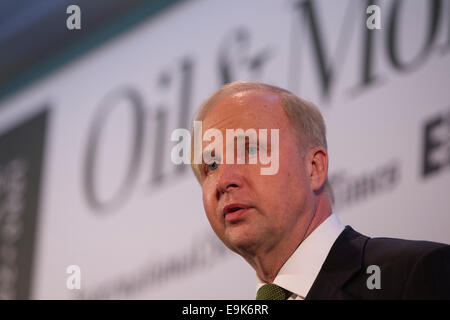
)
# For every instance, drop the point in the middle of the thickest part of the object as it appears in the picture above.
(289, 186)
(292, 165)
(209, 199)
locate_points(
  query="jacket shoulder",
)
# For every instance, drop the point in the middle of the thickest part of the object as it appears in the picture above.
(409, 268)
(391, 251)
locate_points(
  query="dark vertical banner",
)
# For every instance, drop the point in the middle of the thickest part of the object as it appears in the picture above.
(21, 155)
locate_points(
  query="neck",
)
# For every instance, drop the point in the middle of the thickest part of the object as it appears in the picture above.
(268, 263)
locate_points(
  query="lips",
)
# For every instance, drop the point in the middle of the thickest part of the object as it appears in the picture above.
(233, 211)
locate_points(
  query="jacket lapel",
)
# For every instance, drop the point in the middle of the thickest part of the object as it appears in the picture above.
(344, 261)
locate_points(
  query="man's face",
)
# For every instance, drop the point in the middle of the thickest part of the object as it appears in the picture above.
(274, 208)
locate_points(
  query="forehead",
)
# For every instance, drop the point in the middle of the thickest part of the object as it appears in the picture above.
(250, 109)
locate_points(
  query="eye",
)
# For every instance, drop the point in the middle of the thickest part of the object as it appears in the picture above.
(252, 150)
(212, 166)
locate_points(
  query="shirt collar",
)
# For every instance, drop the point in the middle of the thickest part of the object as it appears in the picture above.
(301, 269)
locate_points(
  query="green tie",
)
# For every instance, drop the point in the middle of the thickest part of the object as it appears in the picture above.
(271, 291)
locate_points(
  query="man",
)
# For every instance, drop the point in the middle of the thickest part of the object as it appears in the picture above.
(283, 225)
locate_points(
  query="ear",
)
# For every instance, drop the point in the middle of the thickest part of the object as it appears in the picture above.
(317, 167)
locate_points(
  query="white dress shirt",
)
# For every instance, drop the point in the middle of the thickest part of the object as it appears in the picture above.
(301, 269)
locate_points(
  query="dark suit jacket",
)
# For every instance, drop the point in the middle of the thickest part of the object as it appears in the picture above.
(408, 269)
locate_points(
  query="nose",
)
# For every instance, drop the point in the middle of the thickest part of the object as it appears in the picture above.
(230, 177)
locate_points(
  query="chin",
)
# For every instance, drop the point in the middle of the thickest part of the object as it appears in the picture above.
(242, 241)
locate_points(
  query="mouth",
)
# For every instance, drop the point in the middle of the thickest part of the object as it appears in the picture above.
(234, 211)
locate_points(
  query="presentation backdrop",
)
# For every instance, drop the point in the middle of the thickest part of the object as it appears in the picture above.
(86, 177)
